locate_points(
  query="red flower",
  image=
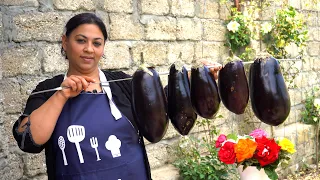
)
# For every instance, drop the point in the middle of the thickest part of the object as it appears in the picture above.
(226, 153)
(267, 151)
(220, 140)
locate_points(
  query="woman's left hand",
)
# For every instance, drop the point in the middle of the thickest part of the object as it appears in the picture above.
(214, 69)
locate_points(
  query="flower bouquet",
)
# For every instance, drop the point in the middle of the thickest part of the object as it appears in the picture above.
(256, 150)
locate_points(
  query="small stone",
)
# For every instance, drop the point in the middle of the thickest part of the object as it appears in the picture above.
(153, 53)
(19, 3)
(159, 28)
(125, 27)
(11, 95)
(53, 59)
(34, 164)
(22, 60)
(14, 170)
(207, 9)
(1, 28)
(155, 7)
(314, 48)
(40, 26)
(117, 56)
(183, 8)
(119, 6)
(189, 29)
(74, 4)
(213, 30)
(183, 51)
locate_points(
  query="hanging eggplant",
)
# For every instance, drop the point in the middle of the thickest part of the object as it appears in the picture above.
(180, 109)
(233, 87)
(149, 104)
(204, 92)
(268, 92)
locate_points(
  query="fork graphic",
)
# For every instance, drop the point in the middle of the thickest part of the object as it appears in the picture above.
(94, 145)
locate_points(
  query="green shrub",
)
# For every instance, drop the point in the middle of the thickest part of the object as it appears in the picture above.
(197, 157)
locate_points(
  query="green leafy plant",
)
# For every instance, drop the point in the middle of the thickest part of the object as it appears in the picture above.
(242, 29)
(196, 158)
(238, 34)
(248, 54)
(311, 115)
(287, 27)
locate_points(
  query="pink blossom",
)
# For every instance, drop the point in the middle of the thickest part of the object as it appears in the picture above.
(220, 140)
(258, 133)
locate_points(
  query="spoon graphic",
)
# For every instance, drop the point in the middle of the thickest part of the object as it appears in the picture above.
(62, 145)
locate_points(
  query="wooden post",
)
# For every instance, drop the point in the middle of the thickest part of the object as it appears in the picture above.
(237, 5)
(273, 134)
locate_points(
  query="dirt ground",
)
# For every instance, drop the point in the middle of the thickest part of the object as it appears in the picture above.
(305, 175)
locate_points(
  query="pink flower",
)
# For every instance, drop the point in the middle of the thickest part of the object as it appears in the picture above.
(258, 133)
(220, 140)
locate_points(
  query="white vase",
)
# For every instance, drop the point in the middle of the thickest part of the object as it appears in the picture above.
(252, 173)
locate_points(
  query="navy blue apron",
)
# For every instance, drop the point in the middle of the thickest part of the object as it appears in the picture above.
(89, 144)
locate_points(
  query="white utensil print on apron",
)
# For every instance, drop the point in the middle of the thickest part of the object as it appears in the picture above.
(76, 134)
(113, 144)
(62, 145)
(94, 145)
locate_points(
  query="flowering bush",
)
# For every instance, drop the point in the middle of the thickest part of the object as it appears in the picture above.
(238, 34)
(197, 157)
(288, 26)
(255, 149)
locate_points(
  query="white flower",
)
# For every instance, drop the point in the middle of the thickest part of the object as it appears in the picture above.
(233, 26)
(184, 144)
(315, 119)
(289, 19)
(300, 36)
(266, 27)
(316, 102)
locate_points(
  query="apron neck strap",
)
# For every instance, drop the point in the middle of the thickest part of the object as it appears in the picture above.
(106, 88)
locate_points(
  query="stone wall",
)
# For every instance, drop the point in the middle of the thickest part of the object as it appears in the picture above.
(160, 31)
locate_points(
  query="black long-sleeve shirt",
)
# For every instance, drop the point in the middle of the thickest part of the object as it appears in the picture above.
(121, 93)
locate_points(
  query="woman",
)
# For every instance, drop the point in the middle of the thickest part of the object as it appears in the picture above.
(87, 130)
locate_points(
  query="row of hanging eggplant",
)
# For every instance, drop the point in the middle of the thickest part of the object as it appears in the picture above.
(268, 93)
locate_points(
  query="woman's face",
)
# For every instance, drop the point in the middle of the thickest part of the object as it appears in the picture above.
(84, 48)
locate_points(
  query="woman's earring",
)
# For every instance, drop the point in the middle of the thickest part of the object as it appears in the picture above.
(103, 56)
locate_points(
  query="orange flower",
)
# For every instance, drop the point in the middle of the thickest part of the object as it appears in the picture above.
(244, 149)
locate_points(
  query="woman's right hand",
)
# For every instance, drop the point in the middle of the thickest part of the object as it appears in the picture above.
(76, 84)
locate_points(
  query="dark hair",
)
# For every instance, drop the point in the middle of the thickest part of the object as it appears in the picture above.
(84, 18)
